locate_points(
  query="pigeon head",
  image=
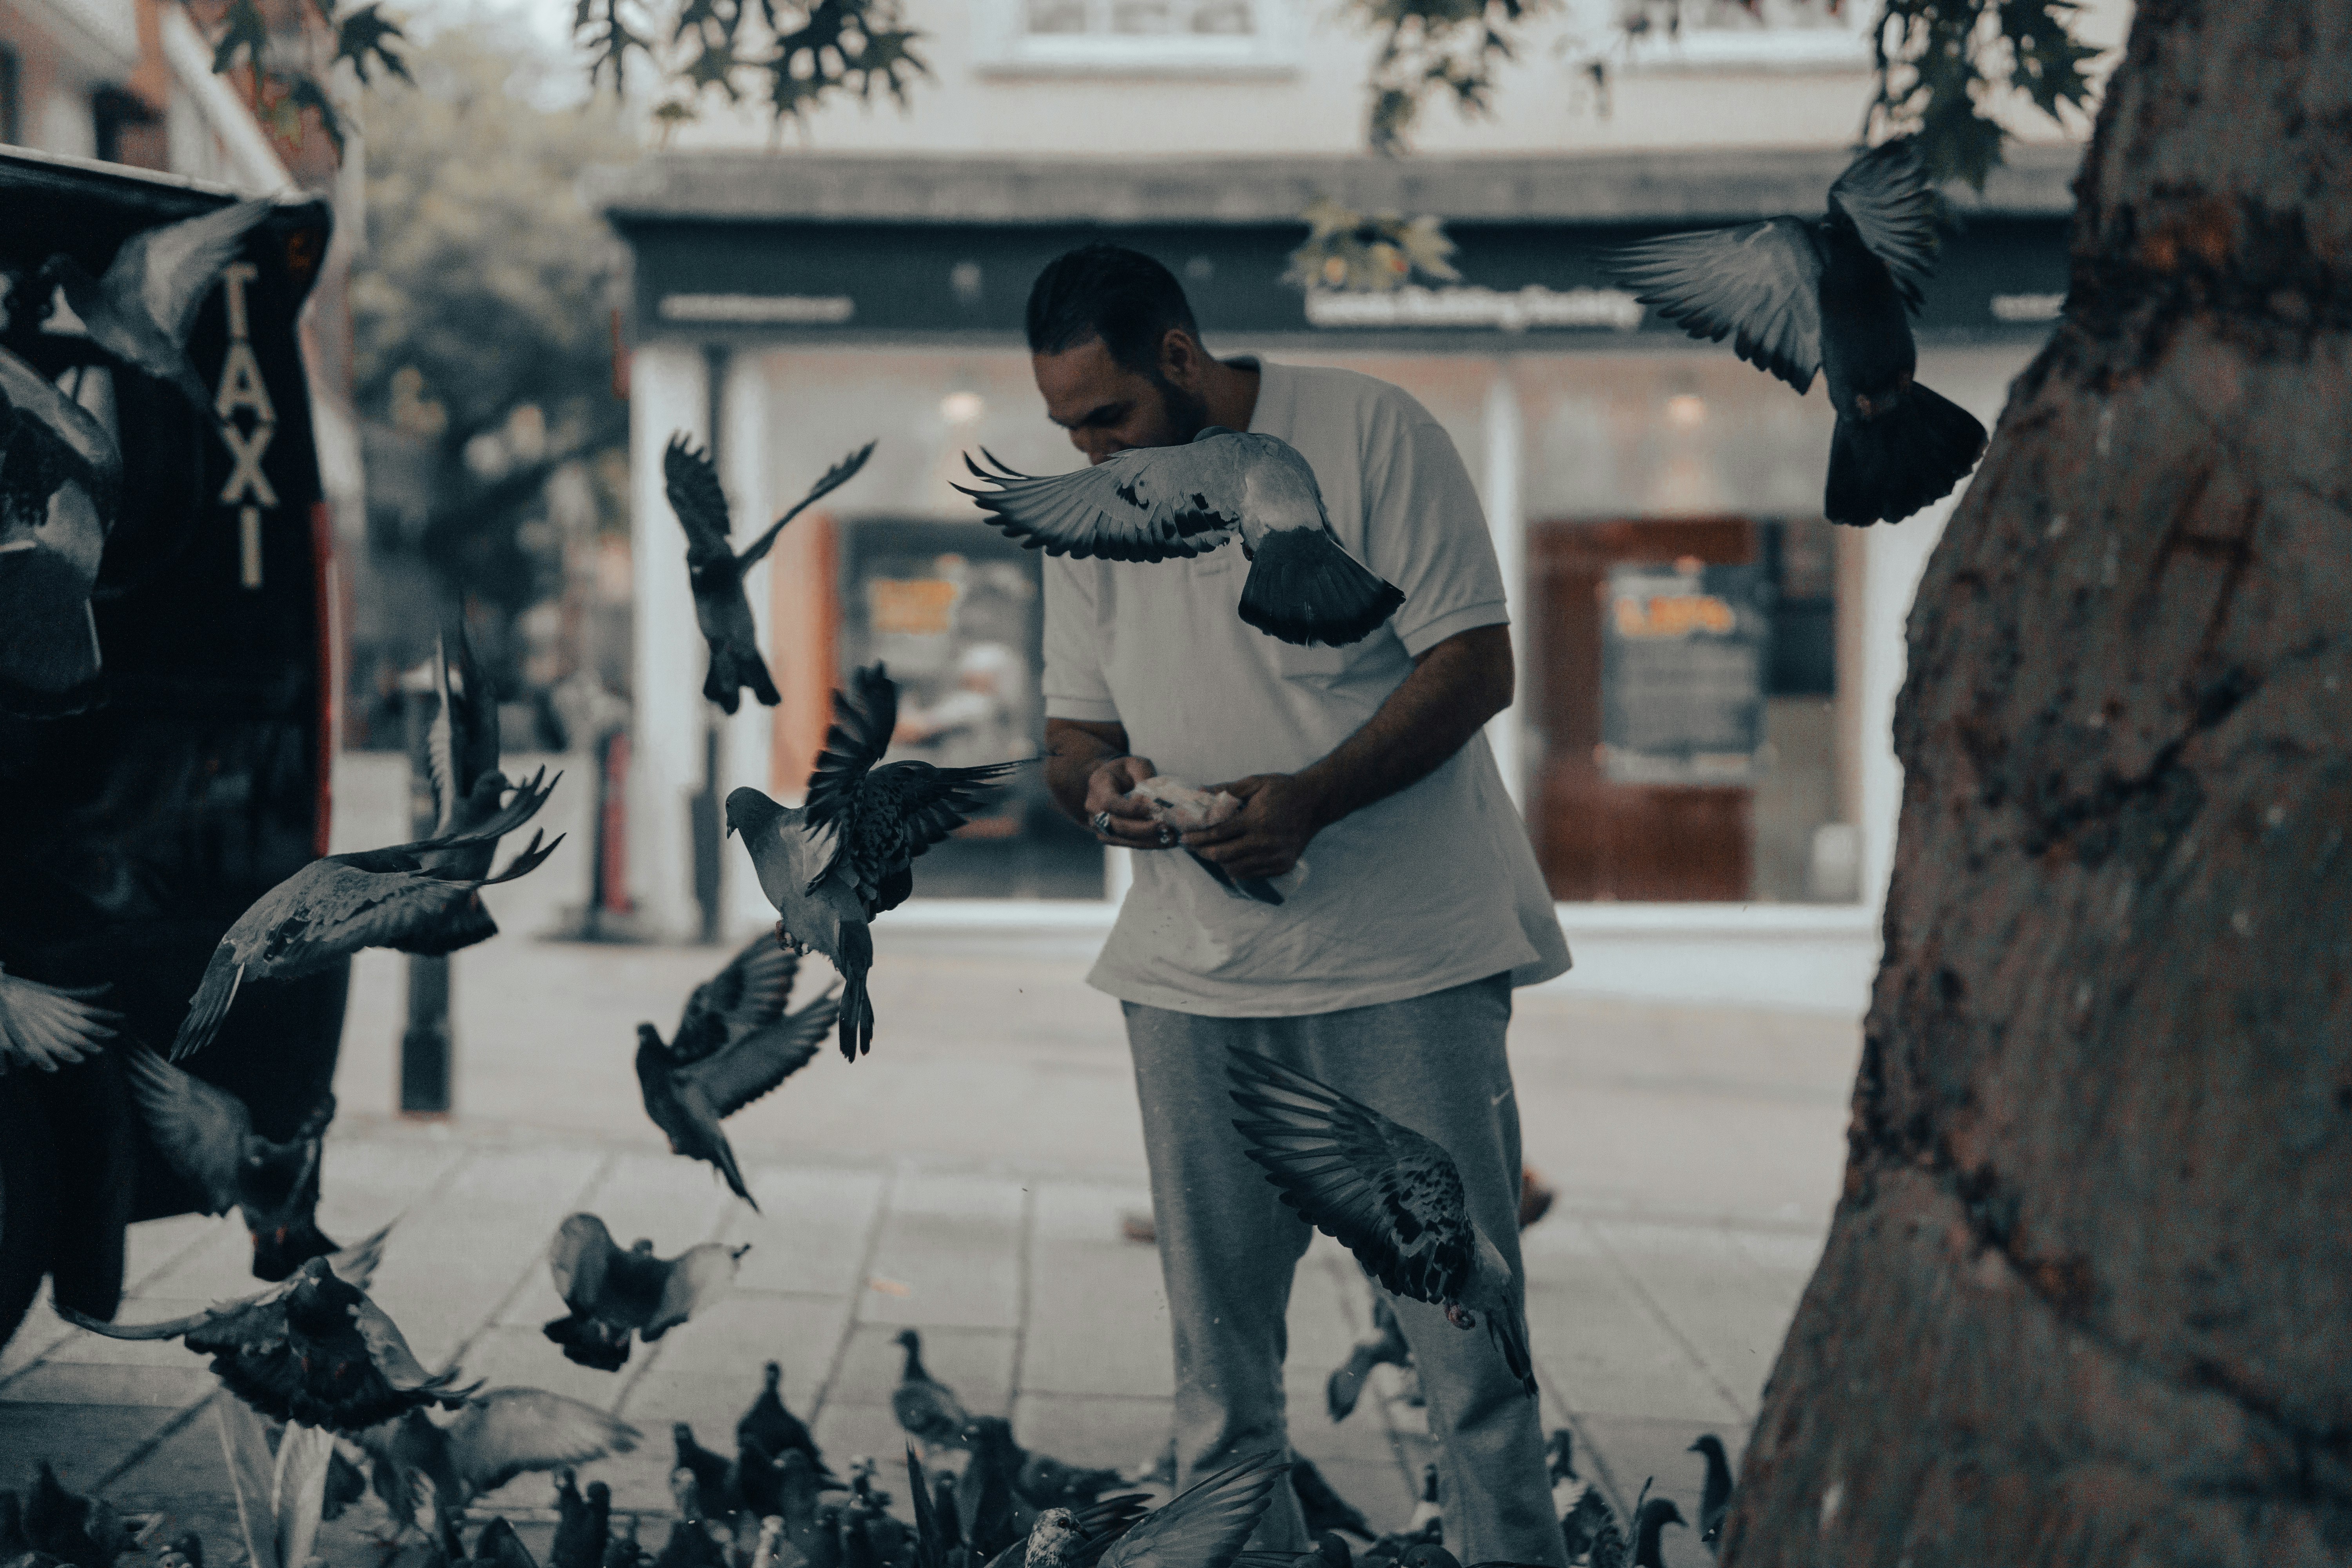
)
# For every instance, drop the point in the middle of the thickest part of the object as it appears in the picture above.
(749, 811)
(283, 1248)
(1662, 1511)
(599, 1495)
(1707, 1444)
(682, 1435)
(771, 1376)
(1561, 1451)
(644, 1243)
(649, 1036)
(1053, 1535)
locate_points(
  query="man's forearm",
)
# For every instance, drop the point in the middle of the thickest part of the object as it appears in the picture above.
(1073, 750)
(1455, 687)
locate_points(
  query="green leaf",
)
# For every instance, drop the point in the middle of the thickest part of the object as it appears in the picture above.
(243, 32)
(364, 36)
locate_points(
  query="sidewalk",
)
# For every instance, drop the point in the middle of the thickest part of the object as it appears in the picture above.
(968, 1178)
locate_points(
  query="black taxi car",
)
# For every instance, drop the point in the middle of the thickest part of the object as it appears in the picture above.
(195, 774)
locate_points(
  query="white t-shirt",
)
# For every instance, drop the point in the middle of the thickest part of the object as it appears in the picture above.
(1433, 887)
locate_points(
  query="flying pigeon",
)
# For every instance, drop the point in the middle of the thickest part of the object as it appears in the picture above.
(717, 572)
(1797, 295)
(141, 310)
(45, 1026)
(1384, 1192)
(734, 1044)
(313, 1350)
(1157, 504)
(1385, 1347)
(927, 1409)
(496, 1437)
(802, 877)
(610, 1292)
(1203, 1526)
(60, 485)
(461, 758)
(376, 898)
(206, 1133)
(1715, 1496)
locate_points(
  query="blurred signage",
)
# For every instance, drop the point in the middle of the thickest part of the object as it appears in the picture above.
(1513, 310)
(1683, 652)
(924, 606)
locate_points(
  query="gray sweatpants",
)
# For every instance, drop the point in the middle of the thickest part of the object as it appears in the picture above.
(1228, 1246)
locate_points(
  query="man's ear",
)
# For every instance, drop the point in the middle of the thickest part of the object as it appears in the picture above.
(1180, 358)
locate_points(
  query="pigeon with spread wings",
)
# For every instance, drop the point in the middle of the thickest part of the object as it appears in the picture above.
(734, 1044)
(1799, 295)
(60, 484)
(206, 1133)
(612, 1293)
(812, 891)
(376, 897)
(715, 570)
(1162, 503)
(1384, 1192)
(45, 1026)
(496, 1437)
(141, 310)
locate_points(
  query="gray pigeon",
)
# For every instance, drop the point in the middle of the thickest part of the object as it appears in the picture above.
(715, 570)
(1387, 1194)
(496, 1437)
(1384, 1347)
(206, 1133)
(1158, 503)
(60, 484)
(810, 889)
(927, 1409)
(376, 898)
(45, 1026)
(734, 1044)
(1797, 295)
(141, 310)
(611, 1294)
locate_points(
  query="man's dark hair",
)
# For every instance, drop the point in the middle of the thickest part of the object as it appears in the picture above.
(1108, 292)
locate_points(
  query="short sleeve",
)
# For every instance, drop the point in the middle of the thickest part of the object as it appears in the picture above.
(1425, 532)
(1074, 686)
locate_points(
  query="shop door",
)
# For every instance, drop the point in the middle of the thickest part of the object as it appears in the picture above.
(1599, 838)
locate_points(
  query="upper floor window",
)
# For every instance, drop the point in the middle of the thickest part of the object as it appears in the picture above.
(1795, 35)
(1137, 37)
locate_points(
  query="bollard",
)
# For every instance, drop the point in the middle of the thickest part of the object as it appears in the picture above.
(424, 1044)
(702, 816)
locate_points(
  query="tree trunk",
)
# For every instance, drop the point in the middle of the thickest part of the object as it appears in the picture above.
(2088, 1296)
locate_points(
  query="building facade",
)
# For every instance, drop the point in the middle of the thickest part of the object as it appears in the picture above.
(1700, 747)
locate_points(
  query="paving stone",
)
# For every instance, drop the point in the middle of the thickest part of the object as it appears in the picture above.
(976, 1363)
(711, 1402)
(153, 1244)
(1098, 1322)
(525, 1358)
(740, 1331)
(948, 1254)
(1600, 1341)
(185, 1465)
(41, 1329)
(1709, 1287)
(1089, 1212)
(216, 1265)
(1377, 1486)
(843, 1432)
(55, 1382)
(85, 1442)
(1099, 1431)
(811, 1230)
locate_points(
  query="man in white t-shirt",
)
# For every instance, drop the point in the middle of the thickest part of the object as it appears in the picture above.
(1387, 970)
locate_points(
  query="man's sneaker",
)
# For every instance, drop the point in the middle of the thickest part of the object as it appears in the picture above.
(1535, 1198)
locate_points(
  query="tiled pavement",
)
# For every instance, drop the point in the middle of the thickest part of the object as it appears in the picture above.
(968, 1178)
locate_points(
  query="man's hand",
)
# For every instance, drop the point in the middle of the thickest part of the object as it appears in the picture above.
(1117, 816)
(1280, 812)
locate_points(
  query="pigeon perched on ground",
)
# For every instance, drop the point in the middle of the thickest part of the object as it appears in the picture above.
(376, 898)
(313, 1350)
(775, 1431)
(717, 572)
(141, 310)
(1715, 1496)
(496, 1437)
(584, 1525)
(73, 1528)
(620, 1548)
(1159, 503)
(928, 1410)
(734, 1044)
(1384, 1347)
(613, 1293)
(1588, 1527)
(1798, 295)
(461, 760)
(45, 1026)
(206, 1133)
(710, 1470)
(821, 913)
(691, 1543)
(499, 1547)
(1321, 1503)
(1384, 1192)
(60, 485)
(1650, 1519)
(1559, 1463)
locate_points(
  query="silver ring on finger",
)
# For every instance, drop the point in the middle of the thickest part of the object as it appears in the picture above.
(1167, 835)
(1102, 823)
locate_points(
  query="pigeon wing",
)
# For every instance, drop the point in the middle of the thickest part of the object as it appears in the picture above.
(356, 1264)
(935, 801)
(749, 995)
(1886, 196)
(754, 1064)
(441, 745)
(691, 481)
(1204, 1527)
(930, 1542)
(578, 1258)
(176, 266)
(201, 1129)
(509, 1431)
(698, 1276)
(43, 1026)
(864, 717)
(833, 478)
(475, 742)
(1758, 284)
(31, 396)
(388, 1348)
(1147, 503)
(251, 1323)
(1387, 1194)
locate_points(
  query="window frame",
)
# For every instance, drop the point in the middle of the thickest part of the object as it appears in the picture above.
(1004, 47)
(1806, 50)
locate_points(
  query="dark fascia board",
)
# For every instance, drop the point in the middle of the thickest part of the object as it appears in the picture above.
(1698, 186)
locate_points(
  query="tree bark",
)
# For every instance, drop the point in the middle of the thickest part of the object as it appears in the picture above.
(2087, 1298)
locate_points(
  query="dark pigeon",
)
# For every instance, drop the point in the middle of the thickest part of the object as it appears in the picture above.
(1384, 1347)
(1649, 1520)
(1323, 1506)
(715, 570)
(313, 1350)
(1164, 503)
(1799, 295)
(461, 762)
(1384, 1192)
(775, 1431)
(499, 1547)
(141, 310)
(73, 1528)
(60, 486)
(333, 907)
(927, 1409)
(612, 1294)
(206, 1133)
(709, 1469)
(497, 1436)
(734, 1044)
(584, 1525)
(1715, 1496)
(46, 1026)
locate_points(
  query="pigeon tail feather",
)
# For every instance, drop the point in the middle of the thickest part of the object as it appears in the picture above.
(1886, 468)
(470, 923)
(856, 1006)
(733, 669)
(1304, 588)
(207, 1008)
